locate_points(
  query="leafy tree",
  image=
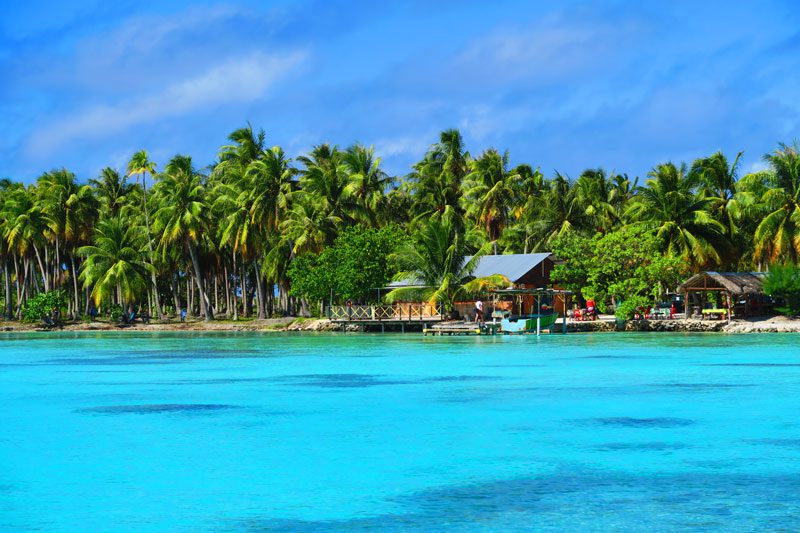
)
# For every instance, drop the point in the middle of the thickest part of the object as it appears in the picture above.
(618, 266)
(311, 278)
(356, 264)
(783, 281)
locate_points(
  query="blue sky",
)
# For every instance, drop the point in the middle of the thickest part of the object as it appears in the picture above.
(562, 85)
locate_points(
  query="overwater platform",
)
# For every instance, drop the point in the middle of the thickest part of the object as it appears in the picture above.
(462, 328)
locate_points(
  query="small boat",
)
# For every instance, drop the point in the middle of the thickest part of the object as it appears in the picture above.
(527, 323)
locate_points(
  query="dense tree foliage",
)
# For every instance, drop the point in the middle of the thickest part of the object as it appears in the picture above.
(246, 235)
(626, 265)
(354, 268)
(783, 282)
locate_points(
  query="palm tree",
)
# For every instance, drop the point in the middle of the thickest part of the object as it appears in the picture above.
(324, 181)
(718, 181)
(116, 264)
(367, 184)
(437, 179)
(682, 220)
(25, 229)
(271, 181)
(595, 193)
(112, 190)
(310, 227)
(623, 190)
(182, 217)
(557, 212)
(490, 192)
(6, 186)
(437, 260)
(777, 237)
(141, 165)
(71, 210)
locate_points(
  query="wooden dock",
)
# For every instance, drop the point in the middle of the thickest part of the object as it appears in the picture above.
(462, 328)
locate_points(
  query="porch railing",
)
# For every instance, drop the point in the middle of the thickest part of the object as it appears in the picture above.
(405, 312)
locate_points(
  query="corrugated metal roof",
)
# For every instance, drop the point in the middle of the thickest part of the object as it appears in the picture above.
(512, 266)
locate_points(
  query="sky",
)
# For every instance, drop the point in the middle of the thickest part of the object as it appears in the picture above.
(563, 86)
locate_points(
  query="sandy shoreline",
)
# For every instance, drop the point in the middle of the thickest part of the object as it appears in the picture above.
(266, 325)
(758, 325)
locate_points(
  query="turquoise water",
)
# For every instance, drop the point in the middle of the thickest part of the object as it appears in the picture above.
(248, 432)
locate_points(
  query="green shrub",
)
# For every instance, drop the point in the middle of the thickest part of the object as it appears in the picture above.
(783, 282)
(115, 312)
(628, 308)
(42, 305)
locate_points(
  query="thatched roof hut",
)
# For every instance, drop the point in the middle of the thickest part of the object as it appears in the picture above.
(735, 283)
(743, 291)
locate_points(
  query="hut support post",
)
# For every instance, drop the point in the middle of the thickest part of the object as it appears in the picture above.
(686, 305)
(730, 305)
(538, 316)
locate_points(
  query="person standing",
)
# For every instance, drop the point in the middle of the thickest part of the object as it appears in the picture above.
(479, 312)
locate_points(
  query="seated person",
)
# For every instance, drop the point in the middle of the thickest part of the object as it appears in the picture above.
(591, 310)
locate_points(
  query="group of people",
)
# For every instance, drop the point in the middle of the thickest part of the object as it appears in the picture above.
(586, 313)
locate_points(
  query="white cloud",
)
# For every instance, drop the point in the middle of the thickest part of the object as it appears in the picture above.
(414, 145)
(485, 122)
(552, 50)
(756, 166)
(238, 80)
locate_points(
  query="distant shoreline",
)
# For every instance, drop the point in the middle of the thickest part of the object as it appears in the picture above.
(291, 324)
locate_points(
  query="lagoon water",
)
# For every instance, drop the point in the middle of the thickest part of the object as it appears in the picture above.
(250, 432)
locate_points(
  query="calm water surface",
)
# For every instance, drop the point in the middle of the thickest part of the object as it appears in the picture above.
(249, 432)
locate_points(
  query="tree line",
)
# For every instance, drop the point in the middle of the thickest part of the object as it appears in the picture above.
(239, 237)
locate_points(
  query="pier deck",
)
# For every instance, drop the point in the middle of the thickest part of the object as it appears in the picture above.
(462, 328)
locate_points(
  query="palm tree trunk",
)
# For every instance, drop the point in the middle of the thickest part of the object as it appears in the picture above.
(216, 294)
(16, 275)
(259, 290)
(41, 268)
(75, 285)
(235, 289)
(20, 284)
(150, 248)
(176, 293)
(205, 309)
(57, 270)
(245, 295)
(23, 294)
(227, 292)
(7, 286)
(189, 295)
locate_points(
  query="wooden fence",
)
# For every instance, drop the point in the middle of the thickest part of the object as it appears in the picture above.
(399, 312)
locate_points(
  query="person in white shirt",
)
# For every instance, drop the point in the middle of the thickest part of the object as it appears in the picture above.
(479, 311)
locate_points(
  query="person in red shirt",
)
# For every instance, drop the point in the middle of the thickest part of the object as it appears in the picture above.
(590, 308)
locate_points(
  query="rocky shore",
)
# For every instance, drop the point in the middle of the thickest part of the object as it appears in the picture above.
(762, 325)
(757, 325)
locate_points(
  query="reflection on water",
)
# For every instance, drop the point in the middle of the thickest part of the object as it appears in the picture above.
(156, 408)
